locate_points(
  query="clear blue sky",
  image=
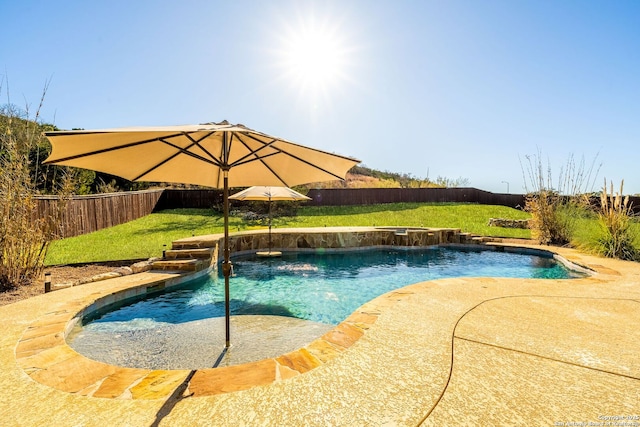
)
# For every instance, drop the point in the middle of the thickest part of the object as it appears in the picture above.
(432, 88)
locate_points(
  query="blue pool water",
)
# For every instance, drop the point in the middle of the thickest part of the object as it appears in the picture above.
(324, 288)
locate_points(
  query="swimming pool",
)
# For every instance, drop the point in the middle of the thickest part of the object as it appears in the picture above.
(322, 288)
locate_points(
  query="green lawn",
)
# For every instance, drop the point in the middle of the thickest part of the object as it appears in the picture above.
(145, 237)
(468, 217)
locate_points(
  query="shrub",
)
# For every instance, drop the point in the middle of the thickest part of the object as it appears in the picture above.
(614, 216)
(555, 209)
(546, 224)
(24, 238)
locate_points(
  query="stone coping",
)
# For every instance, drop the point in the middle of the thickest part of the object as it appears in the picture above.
(44, 354)
(472, 350)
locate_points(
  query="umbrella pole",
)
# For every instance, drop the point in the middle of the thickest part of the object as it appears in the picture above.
(269, 224)
(226, 265)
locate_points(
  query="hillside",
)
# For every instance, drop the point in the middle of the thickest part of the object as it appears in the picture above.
(363, 177)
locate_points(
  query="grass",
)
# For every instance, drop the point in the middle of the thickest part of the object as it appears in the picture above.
(588, 232)
(145, 237)
(142, 238)
(471, 218)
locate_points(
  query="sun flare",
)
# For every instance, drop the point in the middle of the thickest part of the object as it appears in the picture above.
(313, 58)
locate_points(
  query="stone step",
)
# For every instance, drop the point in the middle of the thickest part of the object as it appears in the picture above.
(193, 244)
(482, 239)
(468, 238)
(180, 265)
(203, 253)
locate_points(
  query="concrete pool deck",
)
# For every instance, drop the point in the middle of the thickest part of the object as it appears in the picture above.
(467, 351)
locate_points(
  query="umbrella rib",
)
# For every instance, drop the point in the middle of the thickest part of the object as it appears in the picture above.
(180, 151)
(250, 135)
(214, 160)
(107, 150)
(240, 161)
(260, 159)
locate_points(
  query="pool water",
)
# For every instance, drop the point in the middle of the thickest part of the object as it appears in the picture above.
(320, 287)
(285, 304)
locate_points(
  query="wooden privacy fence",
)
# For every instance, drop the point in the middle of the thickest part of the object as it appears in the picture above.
(183, 199)
(370, 196)
(85, 214)
(176, 199)
(180, 198)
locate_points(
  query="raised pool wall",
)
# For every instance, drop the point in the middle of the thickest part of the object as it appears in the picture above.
(329, 238)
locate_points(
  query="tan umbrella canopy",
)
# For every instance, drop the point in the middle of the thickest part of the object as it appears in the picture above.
(266, 193)
(219, 155)
(269, 194)
(197, 154)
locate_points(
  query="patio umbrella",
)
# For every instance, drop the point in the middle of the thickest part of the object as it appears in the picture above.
(219, 155)
(269, 194)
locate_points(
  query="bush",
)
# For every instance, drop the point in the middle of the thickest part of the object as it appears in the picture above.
(547, 225)
(555, 210)
(615, 216)
(24, 238)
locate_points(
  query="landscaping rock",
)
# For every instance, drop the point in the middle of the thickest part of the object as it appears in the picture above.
(123, 271)
(141, 266)
(508, 223)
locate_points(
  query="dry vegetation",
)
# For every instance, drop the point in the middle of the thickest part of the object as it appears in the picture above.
(24, 239)
(555, 206)
(615, 217)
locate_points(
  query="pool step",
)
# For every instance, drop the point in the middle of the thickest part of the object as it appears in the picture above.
(181, 264)
(203, 253)
(197, 243)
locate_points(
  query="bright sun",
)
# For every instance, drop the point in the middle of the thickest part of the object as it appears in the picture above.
(313, 58)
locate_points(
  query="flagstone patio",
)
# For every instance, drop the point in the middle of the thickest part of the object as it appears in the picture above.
(467, 351)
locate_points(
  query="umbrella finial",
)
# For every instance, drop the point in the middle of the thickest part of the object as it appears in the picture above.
(222, 123)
